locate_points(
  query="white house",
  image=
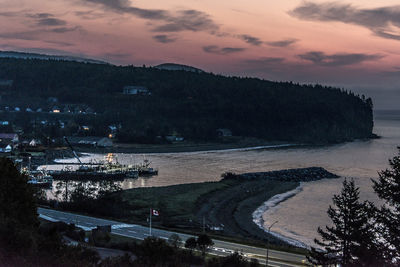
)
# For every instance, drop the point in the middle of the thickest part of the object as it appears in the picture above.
(8, 149)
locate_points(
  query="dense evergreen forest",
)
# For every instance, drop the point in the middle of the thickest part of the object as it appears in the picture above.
(189, 104)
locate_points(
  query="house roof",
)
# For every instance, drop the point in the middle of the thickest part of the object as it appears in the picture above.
(77, 139)
(8, 135)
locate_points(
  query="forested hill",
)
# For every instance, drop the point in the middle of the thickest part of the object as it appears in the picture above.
(193, 105)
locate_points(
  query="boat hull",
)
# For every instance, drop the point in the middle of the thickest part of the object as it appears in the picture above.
(89, 176)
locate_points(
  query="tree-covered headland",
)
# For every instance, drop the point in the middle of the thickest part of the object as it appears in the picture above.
(181, 103)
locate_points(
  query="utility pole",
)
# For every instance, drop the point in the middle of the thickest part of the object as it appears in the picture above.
(269, 232)
(204, 225)
(150, 221)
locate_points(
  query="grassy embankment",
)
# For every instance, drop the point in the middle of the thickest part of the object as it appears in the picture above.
(229, 202)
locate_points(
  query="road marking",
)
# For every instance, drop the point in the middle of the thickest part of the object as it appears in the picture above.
(117, 226)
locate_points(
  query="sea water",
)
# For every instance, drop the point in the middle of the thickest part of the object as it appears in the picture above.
(300, 215)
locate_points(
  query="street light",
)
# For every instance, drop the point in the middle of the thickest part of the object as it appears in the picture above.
(269, 232)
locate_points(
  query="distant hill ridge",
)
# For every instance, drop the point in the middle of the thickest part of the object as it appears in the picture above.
(23, 55)
(174, 66)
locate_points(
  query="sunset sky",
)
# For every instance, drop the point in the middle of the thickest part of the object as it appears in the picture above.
(353, 44)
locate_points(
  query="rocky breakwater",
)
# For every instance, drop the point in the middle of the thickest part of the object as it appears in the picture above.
(292, 175)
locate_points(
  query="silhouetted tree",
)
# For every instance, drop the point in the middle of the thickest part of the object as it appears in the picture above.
(153, 251)
(204, 242)
(351, 239)
(235, 259)
(387, 188)
(18, 217)
(191, 243)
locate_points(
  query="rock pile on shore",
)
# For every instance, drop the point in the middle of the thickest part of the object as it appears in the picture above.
(292, 175)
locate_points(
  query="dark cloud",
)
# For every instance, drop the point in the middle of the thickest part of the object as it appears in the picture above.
(36, 34)
(378, 20)
(183, 20)
(335, 60)
(163, 38)
(213, 49)
(8, 14)
(188, 20)
(46, 19)
(89, 15)
(123, 6)
(58, 43)
(41, 15)
(26, 35)
(282, 43)
(250, 39)
(51, 22)
(65, 29)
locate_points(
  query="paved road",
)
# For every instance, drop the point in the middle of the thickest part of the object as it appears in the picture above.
(222, 248)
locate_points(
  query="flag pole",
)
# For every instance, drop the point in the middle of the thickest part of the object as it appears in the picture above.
(150, 221)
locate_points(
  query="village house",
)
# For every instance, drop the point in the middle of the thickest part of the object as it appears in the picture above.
(85, 128)
(55, 109)
(8, 141)
(9, 138)
(93, 141)
(35, 142)
(135, 90)
(112, 128)
(174, 138)
(223, 132)
(112, 131)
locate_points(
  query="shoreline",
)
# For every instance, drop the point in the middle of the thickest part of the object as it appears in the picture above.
(84, 154)
(88, 153)
(274, 202)
(188, 148)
